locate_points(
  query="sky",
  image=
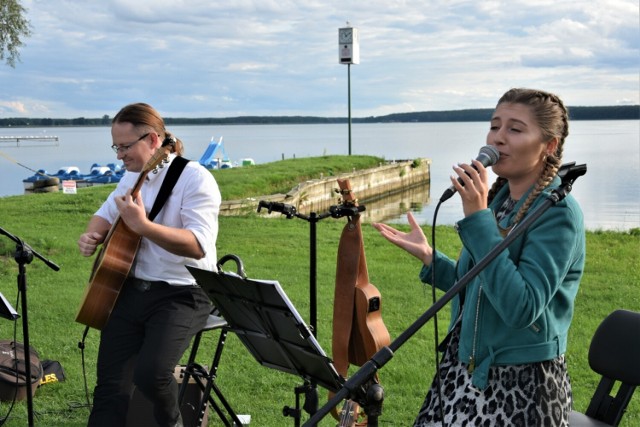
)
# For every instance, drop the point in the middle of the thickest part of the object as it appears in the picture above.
(203, 58)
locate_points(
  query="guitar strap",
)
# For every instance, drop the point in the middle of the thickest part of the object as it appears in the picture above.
(353, 342)
(175, 169)
(348, 266)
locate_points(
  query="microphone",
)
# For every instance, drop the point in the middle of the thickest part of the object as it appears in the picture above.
(488, 156)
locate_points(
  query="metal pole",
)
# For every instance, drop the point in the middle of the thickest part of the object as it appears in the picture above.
(349, 96)
(22, 287)
(313, 274)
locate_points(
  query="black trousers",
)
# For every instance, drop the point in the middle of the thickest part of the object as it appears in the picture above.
(148, 330)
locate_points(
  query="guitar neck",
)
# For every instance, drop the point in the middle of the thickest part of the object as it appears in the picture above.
(348, 414)
(118, 224)
(161, 154)
(346, 192)
(135, 192)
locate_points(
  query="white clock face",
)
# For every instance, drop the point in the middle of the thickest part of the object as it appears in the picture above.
(345, 36)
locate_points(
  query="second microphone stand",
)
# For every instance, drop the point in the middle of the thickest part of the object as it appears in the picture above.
(289, 211)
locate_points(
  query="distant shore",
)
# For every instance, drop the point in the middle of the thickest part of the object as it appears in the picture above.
(621, 112)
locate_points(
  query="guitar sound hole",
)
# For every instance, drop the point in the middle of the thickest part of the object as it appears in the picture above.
(374, 304)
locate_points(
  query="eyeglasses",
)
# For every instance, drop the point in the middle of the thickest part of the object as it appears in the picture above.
(124, 148)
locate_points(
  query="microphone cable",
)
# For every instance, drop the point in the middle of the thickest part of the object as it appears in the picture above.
(488, 156)
(435, 317)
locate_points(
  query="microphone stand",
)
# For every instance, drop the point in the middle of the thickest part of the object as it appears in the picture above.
(24, 255)
(311, 400)
(355, 388)
(313, 218)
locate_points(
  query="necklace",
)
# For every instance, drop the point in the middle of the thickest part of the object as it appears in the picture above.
(505, 209)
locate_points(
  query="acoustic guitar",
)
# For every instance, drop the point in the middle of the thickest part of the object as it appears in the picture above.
(358, 329)
(113, 263)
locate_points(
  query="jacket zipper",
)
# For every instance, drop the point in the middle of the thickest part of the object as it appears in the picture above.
(472, 358)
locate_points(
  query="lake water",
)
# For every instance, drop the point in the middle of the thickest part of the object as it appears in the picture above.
(609, 193)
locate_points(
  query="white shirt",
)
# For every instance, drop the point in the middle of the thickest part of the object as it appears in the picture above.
(193, 205)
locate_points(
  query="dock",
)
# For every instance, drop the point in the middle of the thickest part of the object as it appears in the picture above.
(30, 141)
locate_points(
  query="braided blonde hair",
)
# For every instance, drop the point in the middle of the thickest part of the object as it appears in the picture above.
(552, 117)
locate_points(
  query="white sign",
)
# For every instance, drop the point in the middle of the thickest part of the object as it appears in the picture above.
(69, 187)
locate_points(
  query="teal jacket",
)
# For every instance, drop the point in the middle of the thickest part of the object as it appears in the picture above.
(519, 308)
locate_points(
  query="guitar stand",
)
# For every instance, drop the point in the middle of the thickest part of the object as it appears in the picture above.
(24, 255)
(338, 211)
(289, 212)
(267, 323)
(310, 405)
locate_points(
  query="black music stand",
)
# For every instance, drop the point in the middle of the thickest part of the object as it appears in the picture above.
(266, 322)
(6, 309)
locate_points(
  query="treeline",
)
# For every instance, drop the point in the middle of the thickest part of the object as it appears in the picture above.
(624, 112)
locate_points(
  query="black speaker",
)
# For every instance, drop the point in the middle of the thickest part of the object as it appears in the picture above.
(141, 411)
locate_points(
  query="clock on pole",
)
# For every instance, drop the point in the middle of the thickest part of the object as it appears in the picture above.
(348, 45)
(348, 53)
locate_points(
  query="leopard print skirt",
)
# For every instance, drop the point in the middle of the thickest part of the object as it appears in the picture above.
(536, 394)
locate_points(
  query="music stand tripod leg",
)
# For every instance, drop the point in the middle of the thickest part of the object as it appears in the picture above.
(189, 367)
(206, 383)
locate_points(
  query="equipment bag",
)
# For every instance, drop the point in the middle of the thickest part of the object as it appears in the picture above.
(13, 375)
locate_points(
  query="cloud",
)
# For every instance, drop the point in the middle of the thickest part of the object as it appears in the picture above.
(267, 57)
(14, 107)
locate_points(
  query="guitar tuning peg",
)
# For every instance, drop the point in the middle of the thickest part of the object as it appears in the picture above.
(165, 161)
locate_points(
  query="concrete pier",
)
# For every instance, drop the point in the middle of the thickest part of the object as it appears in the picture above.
(30, 141)
(408, 177)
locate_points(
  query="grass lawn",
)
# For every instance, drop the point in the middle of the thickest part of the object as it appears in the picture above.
(278, 249)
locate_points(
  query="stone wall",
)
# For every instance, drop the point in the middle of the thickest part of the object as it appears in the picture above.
(367, 185)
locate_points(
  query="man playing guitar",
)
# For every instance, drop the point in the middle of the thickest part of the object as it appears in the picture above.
(157, 307)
